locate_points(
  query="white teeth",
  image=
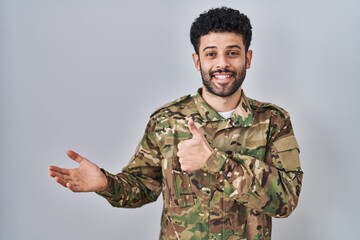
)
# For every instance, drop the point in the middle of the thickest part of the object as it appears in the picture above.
(222, 76)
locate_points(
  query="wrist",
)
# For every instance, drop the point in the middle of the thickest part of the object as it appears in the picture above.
(104, 180)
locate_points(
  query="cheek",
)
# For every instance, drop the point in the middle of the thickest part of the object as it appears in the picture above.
(240, 66)
(205, 67)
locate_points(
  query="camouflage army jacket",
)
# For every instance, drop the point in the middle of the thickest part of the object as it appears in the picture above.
(252, 175)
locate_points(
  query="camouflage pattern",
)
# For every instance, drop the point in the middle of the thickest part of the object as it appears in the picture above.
(252, 175)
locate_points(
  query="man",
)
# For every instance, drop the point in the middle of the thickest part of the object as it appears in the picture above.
(224, 163)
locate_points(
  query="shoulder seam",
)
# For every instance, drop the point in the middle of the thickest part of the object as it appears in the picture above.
(258, 104)
(180, 99)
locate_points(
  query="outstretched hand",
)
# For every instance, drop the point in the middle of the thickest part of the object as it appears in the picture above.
(193, 153)
(86, 178)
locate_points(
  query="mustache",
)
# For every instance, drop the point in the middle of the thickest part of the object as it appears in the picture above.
(225, 70)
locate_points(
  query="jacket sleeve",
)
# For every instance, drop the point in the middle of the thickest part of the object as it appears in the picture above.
(140, 181)
(271, 185)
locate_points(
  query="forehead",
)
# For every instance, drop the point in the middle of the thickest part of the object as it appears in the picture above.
(221, 40)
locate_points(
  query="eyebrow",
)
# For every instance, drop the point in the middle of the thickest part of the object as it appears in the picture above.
(234, 46)
(209, 47)
(230, 46)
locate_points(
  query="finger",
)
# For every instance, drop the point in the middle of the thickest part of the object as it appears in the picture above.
(181, 161)
(74, 187)
(180, 145)
(185, 168)
(181, 149)
(59, 175)
(193, 129)
(185, 159)
(70, 186)
(61, 181)
(56, 169)
(182, 164)
(75, 156)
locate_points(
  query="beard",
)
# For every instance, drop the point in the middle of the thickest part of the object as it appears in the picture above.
(225, 90)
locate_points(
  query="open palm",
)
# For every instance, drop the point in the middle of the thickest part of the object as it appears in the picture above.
(86, 178)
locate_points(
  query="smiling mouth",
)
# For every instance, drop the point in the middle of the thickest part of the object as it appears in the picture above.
(223, 78)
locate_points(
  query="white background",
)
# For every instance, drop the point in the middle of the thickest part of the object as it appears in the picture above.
(86, 75)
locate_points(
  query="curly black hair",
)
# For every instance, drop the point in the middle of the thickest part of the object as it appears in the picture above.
(222, 19)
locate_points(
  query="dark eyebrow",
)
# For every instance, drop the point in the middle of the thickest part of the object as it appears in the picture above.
(230, 46)
(234, 46)
(211, 47)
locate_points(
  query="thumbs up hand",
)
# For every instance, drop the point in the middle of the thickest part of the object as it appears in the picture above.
(194, 152)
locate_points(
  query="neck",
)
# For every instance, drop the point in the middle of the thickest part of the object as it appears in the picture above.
(221, 104)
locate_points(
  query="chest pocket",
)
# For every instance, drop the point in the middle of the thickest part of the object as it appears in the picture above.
(179, 191)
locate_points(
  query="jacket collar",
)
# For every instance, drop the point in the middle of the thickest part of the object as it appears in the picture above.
(242, 116)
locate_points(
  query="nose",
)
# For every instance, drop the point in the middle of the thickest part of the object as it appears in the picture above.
(222, 62)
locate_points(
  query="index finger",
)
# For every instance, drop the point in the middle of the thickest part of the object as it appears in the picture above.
(54, 169)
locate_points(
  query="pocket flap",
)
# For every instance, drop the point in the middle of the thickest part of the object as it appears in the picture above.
(286, 143)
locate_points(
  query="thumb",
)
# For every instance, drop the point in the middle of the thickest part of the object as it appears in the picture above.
(193, 129)
(74, 156)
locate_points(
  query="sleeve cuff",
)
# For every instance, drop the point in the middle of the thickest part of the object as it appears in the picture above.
(108, 191)
(216, 161)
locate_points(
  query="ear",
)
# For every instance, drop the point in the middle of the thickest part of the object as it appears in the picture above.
(196, 60)
(248, 58)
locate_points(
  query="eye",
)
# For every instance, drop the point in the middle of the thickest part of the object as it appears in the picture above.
(233, 53)
(210, 54)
